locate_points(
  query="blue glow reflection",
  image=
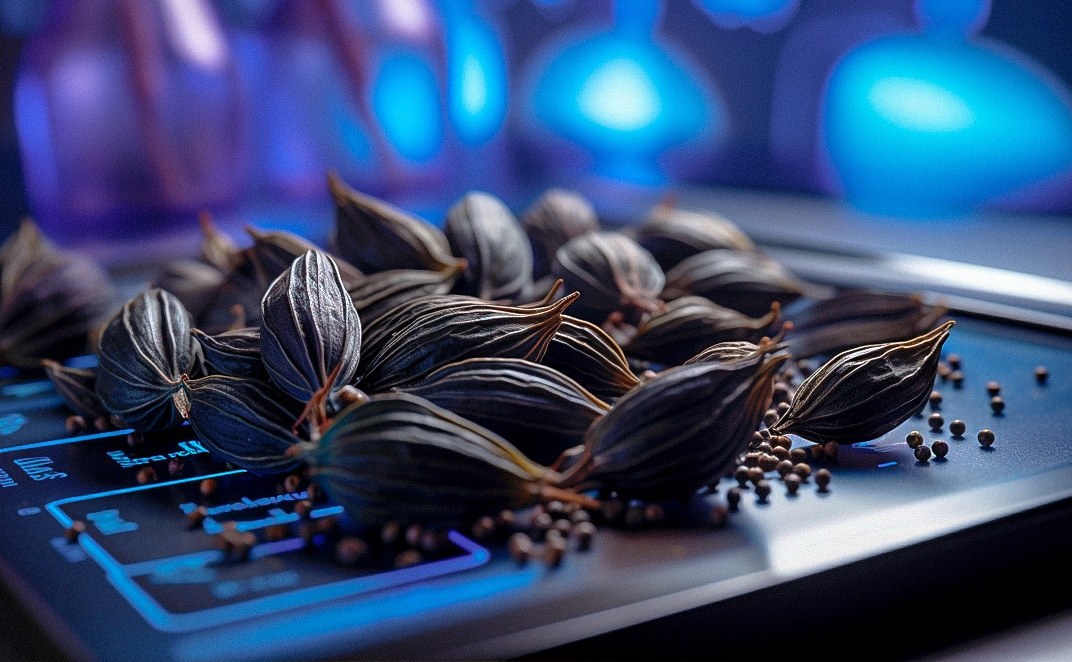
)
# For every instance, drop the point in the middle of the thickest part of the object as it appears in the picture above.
(406, 100)
(477, 91)
(760, 15)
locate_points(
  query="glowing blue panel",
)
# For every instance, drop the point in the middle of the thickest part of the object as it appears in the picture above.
(406, 99)
(914, 125)
(952, 18)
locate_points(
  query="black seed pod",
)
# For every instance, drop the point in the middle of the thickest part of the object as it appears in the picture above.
(672, 235)
(481, 229)
(585, 353)
(78, 388)
(724, 352)
(690, 324)
(865, 392)
(612, 273)
(538, 409)
(144, 352)
(859, 317)
(745, 281)
(555, 218)
(245, 421)
(51, 301)
(233, 353)
(218, 249)
(381, 292)
(193, 283)
(679, 430)
(309, 328)
(404, 348)
(401, 458)
(274, 251)
(374, 236)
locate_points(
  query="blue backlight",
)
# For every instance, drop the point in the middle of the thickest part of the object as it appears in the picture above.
(477, 90)
(762, 15)
(406, 100)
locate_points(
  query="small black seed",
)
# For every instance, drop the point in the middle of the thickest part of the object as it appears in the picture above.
(780, 453)
(350, 551)
(520, 547)
(768, 462)
(822, 479)
(763, 490)
(986, 438)
(1042, 373)
(803, 470)
(483, 528)
(770, 417)
(957, 377)
(634, 516)
(993, 388)
(75, 424)
(940, 448)
(733, 498)
(914, 439)
(792, 483)
(798, 455)
(957, 428)
(71, 532)
(554, 551)
(741, 475)
(936, 421)
(832, 449)
(923, 453)
(408, 558)
(935, 400)
(784, 467)
(997, 404)
(584, 532)
(954, 361)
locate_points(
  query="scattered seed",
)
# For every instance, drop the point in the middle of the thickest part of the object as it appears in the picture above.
(719, 516)
(613, 509)
(292, 483)
(782, 408)
(634, 516)
(957, 377)
(763, 490)
(914, 439)
(408, 558)
(505, 520)
(803, 470)
(654, 513)
(798, 455)
(936, 421)
(780, 453)
(944, 371)
(986, 438)
(412, 535)
(751, 460)
(390, 534)
(792, 483)
(832, 449)
(770, 417)
(784, 467)
(584, 531)
(540, 525)
(304, 507)
(351, 550)
(175, 466)
(993, 388)
(71, 533)
(195, 517)
(935, 400)
(957, 428)
(733, 498)
(822, 479)
(954, 361)
(755, 475)
(554, 551)
(765, 447)
(483, 529)
(768, 462)
(923, 453)
(940, 448)
(75, 424)
(579, 516)
(997, 404)
(741, 475)
(146, 475)
(1042, 373)
(208, 486)
(276, 532)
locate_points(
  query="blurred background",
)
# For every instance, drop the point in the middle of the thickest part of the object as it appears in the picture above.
(120, 119)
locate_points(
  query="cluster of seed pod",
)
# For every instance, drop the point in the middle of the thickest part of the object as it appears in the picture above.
(435, 377)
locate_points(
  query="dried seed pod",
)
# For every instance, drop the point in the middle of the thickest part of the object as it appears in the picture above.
(78, 388)
(679, 430)
(745, 281)
(556, 217)
(672, 235)
(865, 392)
(233, 353)
(192, 282)
(445, 330)
(381, 292)
(51, 301)
(859, 317)
(218, 250)
(145, 350)
(374, 236)
(538, 409)
(247, 422)
(612, 273)
(309, 328)
(724, 352)
(585, 353)
(274, 251)
(483, 231)
(690, 324)
(399, 457)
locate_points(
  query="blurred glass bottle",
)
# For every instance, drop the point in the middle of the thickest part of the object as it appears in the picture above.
(128, 114)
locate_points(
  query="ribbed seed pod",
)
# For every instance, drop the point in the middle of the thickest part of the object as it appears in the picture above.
(859, 317)
(51, 301)
(724, 352)
(690, 324)
(745, 281)
(863, 393)
(144, 352)
(381, 292)
(483, 231)
(247, 422)
(612, 273)
(377, 333)
(585, 353)
(447, 331)
(233, 353)
(218, 250)
(309, 328)
(78, 386)
(672, 235)
(274, 251)
(556, 217)
(398, 457)
(536, 408)
(374, 236)
(681, 429)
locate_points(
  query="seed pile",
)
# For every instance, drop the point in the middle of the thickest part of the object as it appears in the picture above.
(437, 378)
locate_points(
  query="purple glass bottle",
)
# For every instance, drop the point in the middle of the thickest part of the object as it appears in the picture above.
(128, 115)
